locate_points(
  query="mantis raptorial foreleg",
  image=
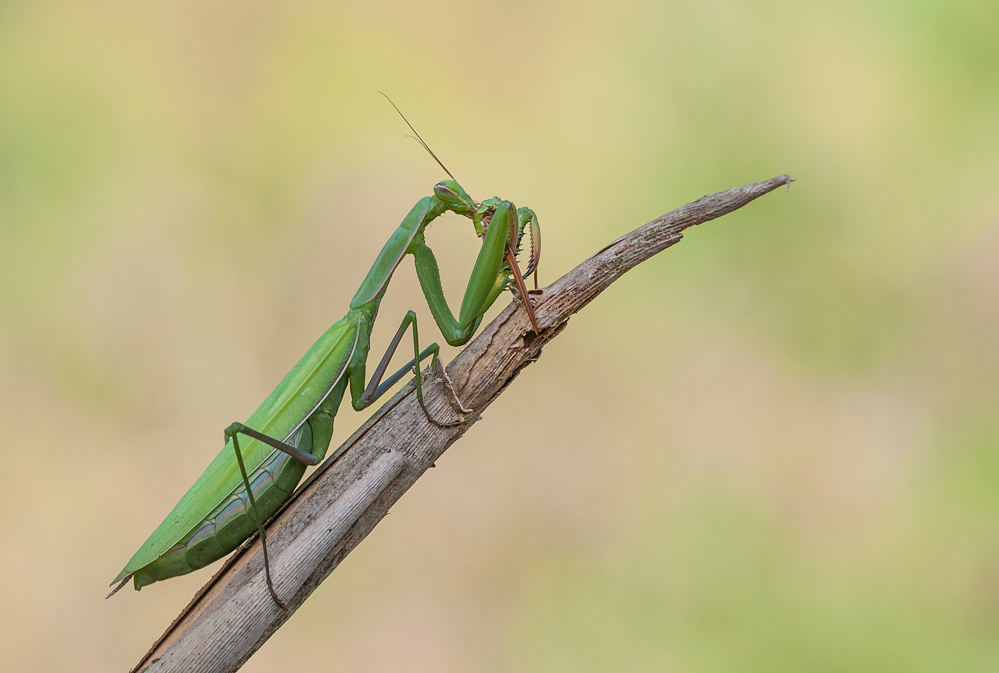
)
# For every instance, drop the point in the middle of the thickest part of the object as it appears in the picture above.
(525, 218)
(486, 282)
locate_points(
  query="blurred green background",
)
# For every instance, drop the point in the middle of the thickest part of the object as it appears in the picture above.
(775, 447)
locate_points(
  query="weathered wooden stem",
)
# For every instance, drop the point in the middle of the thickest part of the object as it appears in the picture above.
(233, 615)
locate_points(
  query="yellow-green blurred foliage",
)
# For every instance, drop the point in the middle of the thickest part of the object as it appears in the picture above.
(774, 447)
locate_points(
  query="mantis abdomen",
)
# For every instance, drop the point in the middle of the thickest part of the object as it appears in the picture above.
(231, 522)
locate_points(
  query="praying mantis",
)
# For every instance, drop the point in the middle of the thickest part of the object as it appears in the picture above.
(249, 480)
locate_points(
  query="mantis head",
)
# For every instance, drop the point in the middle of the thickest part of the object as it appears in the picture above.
(455, 198)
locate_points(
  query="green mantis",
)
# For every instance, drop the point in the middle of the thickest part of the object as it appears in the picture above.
(264, 458)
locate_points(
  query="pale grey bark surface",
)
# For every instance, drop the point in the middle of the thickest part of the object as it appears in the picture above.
(233, 615)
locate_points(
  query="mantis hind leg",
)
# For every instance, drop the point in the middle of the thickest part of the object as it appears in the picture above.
(295, 452)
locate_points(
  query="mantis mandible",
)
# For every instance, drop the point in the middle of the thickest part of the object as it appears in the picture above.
(253, 476)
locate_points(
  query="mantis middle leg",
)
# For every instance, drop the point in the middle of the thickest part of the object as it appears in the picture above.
(376, 388)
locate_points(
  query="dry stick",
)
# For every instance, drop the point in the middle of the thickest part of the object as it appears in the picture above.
(233, 615)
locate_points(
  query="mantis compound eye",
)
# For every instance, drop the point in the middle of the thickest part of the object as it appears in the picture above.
(454, 197)
(445, 191)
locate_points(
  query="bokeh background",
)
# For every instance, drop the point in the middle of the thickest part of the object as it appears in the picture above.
(775, 447)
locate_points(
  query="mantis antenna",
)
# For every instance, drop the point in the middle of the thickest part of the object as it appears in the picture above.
(418, 138)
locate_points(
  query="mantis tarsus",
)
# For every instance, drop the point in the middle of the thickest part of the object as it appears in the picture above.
(249, 480)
